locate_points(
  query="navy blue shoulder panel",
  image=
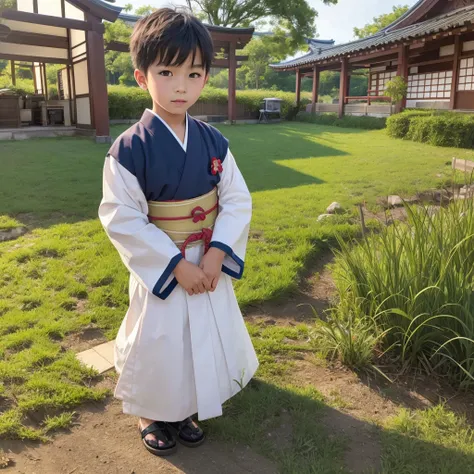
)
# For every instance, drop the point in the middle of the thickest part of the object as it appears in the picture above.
(214, 139)
(129, 150)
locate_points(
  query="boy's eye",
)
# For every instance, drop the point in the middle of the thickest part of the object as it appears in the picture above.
(165, 73)
(195, 75)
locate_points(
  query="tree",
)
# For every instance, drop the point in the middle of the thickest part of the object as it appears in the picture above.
(11, 4)
(298, 14)
(381, 22)
(144, 10)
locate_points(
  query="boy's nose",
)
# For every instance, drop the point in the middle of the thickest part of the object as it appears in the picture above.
(180, 85)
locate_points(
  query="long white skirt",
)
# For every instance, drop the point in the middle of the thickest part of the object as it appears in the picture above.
(184, 355)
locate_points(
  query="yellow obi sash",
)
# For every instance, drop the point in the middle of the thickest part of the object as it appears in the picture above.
(187, 222)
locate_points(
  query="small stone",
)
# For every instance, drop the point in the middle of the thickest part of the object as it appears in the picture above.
(12, 234)
(395, 201)
(324, 216)
(335, 208)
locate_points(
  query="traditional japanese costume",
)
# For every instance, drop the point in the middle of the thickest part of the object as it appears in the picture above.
(164, 200)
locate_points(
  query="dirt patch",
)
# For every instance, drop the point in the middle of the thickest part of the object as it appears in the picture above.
(12, 234)
(106, 441)
(86, 339)
(344, 390)
(317, 292)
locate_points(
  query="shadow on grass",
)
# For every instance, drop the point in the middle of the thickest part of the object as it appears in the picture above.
(49, 181)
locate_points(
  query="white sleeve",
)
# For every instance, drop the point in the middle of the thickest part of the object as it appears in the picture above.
(148, 253)
(231, 229)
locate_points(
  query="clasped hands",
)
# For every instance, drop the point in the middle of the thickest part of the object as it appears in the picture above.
(196, 279)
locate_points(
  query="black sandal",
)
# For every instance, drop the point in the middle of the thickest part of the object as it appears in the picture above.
(162, 433)
(188, 432)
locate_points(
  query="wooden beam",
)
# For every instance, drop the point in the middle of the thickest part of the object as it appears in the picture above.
(314, 100)
(223, 63)
(33, 59)
(456, 61)
(35, 39)
(343, 86)
(232, 84)
(298, 87)
(47, 20)
(364, 56)
(446, 59)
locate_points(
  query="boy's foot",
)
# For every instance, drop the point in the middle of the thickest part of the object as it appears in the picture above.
(156, 437)
(188, 432)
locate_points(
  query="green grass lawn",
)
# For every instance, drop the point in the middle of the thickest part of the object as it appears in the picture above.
(64, 275)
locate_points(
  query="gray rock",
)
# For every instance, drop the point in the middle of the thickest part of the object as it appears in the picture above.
(322, 217)
(12, 234)
(395, 201)
(335, 208)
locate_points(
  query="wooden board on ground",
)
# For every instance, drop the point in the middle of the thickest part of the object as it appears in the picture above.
(463, 165)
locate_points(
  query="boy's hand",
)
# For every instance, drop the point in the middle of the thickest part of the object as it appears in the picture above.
(211, 264)
(191, 278)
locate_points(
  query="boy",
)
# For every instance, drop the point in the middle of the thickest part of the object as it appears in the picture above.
(178, 211)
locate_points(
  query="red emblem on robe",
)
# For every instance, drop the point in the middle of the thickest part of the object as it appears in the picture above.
(216, 166)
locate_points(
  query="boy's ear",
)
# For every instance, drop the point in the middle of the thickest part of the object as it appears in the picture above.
(207, 78)
(140, 78)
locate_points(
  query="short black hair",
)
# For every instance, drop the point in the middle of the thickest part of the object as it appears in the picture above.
(171, 36)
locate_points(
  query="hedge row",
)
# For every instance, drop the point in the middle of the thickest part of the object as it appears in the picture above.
(348, 121)
(436, 128)
(130, 102)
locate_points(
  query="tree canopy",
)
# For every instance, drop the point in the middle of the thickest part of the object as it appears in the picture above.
(297, 15)
(381, 21)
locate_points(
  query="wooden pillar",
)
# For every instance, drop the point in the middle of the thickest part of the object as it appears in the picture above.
(12, 65)
(298, 87)
(98, 84)
(454, 85)
(343, 86)
(232, 105)
(348, 86)
(314, 100)
(402, 71)
(45, 81)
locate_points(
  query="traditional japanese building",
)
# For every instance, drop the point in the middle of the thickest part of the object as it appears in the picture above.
(431, 46)
(71, 32)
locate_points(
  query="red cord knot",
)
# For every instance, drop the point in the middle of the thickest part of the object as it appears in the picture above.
(205, 235)
(216, 166)
(198, 214)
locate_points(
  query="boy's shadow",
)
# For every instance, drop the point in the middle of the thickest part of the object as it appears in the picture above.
(268, 429)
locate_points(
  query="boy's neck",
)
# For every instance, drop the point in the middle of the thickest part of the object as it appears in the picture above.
(173, 120)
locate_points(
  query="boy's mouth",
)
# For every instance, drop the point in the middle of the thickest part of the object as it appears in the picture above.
(179, 101)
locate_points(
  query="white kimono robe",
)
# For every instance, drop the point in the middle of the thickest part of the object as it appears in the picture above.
(183, 354)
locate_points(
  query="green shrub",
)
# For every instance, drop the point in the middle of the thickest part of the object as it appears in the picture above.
(451, 130)
(130, 102)
(415, 280)
(434, 127)
(348, 121)
(399, 124)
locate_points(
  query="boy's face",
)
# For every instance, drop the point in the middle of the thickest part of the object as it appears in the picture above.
(174, 88)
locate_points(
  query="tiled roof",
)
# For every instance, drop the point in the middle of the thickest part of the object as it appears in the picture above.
(441, 23)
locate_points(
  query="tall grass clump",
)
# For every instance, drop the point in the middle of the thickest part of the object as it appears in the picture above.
(414, 283)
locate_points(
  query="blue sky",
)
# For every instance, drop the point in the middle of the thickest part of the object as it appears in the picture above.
(334, 22)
